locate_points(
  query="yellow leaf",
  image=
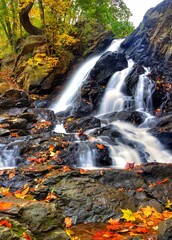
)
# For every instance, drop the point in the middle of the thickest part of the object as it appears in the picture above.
(148, 211)
(128, 215)
(168, 204)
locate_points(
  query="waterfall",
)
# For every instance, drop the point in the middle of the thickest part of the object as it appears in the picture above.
(78, 78)
(114, 99)
(143, 94)
(9, 155)
(134, 145)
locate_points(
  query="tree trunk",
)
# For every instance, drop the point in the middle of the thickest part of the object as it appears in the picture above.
(25, 21)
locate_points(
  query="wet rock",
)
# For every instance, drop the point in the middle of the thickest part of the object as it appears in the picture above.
(16, 232)
(165, 230)
(4, 132)
(82, 154)
(41, 217)
(150, 43)
(76, 199)
(81, 124)
(14, 98)
(109, 63)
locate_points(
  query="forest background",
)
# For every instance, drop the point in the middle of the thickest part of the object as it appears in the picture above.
(68, 25)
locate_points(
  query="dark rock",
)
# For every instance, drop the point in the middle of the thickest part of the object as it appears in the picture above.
(109, 63)
(14, 98)
(150, 43)
(81, 124)
(76, 195)
(165, 230)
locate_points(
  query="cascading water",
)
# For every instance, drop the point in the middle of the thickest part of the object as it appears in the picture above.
(114, 99)
(9, 156)
(66, 99)
(134, 144)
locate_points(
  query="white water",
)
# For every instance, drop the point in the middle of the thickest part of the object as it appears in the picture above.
(78, 78)
(8, 156)
(114, 100)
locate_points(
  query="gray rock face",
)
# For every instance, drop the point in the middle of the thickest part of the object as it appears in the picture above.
(150, 43)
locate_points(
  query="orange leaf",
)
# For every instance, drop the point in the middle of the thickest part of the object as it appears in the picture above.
(68, 222)
(51, 147)
(5, 223)
(140, 190)
(25, 235)
(83, 171)
(100, 146)
(12, 174)
(5, 191)
(50, 197)
(66, 169)
(5, 206)
(14, 135)
(163, 181)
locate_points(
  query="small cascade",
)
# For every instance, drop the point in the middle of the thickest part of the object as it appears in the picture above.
(114, 99)
(9, 156)
(87, 156)
(143, 94)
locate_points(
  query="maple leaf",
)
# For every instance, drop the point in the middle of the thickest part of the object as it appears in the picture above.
(23, 193)
(5, 191)
(168, 204)
(5, 223)
(128, 215)
(68, 222)
(148, 211)
(5, 206)
(26, 236)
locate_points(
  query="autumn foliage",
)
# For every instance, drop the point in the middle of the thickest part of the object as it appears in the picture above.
(142, 223)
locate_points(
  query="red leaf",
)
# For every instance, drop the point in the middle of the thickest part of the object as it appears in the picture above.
(5, 223)
(25, 235)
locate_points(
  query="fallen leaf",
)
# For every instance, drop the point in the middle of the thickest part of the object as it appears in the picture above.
(5, 206)
(83, 171)
(140, 190)
(5, 191)
(50, 196)
(129, 166)
(128, 215)
(25, 235)
(168, 204)
(66, 169)
(68, 222)
(5, 223)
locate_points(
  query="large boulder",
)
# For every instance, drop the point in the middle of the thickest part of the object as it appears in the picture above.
(150, 43)
(34, 68)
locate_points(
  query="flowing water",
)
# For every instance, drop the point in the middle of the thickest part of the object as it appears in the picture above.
(9, 156)
(136, 145)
